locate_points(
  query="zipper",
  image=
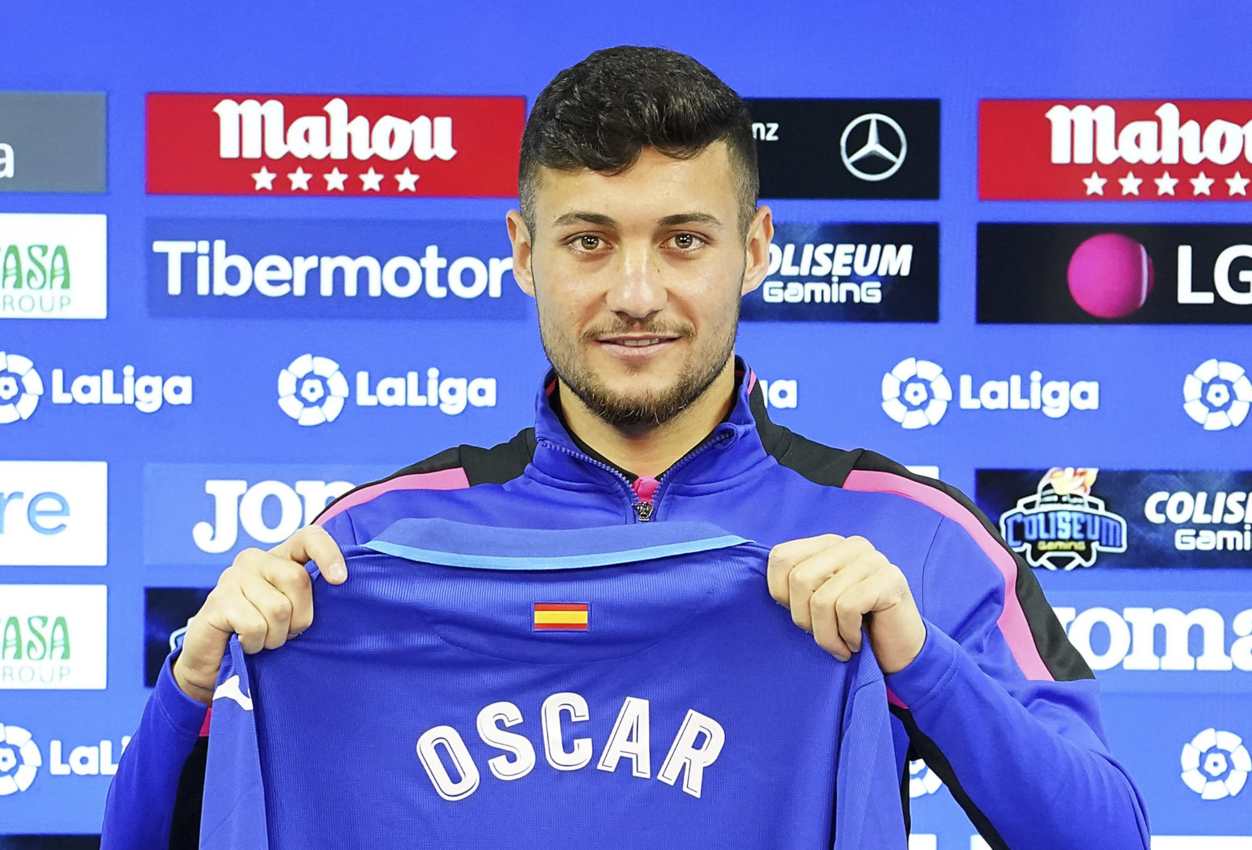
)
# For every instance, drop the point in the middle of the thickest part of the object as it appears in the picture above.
(644, 505)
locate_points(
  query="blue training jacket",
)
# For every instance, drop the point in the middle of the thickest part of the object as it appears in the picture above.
(998, 702)
(476, 686)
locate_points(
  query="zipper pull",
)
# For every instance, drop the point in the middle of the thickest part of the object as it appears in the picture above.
(644, 488)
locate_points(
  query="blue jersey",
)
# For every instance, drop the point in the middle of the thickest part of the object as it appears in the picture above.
(625, 686)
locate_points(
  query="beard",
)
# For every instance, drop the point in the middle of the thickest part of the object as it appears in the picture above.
(634, 411)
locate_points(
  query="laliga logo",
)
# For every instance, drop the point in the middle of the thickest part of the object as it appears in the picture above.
(1215, 764)
(312, 390)
(20, 388)
(1217, 395)
(19, 760)
(915, 393)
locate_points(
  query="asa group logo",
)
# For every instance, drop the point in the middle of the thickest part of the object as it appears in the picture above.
(830, 148)
(207, 513)
(1160, 150)
(54, 513)
(22, 388)
(1068, 517)
(22, 759)
(1217, 395)
(851, 273)
(52, 142)
(1127, 273)
(916, 394)
(53, 266)
(53, 636)
(285, 269)
(1215, 764)
(313, 390)
(310, 144)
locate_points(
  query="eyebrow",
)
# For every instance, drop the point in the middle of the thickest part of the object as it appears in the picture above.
(607, 221)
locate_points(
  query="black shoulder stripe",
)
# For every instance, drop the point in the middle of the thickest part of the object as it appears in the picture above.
(938, 762)
(816, 462)
(1063, 661)
(496, 465)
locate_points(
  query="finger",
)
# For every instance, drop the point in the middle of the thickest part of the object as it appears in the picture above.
(857, 601)
(822, 610)
(313, 543)
(808, 575)
(293, 581)
(273, 606)
(242, 618)
(785, 556)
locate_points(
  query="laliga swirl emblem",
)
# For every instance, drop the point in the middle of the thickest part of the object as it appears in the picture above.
(20, 388)
(312, 390)
(915, 393)
(1215, 764)
(922, 780)
(1217, 395)
(19, 760)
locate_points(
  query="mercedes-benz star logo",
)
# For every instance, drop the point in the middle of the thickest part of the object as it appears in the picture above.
(873, 160)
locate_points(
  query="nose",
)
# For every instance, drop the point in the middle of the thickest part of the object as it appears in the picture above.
(638, 290)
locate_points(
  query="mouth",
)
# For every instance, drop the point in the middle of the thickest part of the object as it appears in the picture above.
(636, 346)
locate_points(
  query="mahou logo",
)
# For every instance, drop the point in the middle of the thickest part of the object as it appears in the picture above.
(1159, 150)
(246, 144)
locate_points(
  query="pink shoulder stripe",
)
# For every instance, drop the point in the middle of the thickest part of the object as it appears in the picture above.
(1012, 620)
(444, 479)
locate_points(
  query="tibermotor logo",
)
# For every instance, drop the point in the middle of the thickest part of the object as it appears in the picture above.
(916, 394)
(1159, 150)
(276, 144)
(314, 390)
(53, 266)
(1100, 273)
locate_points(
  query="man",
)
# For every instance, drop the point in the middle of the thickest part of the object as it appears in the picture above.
(638, 233)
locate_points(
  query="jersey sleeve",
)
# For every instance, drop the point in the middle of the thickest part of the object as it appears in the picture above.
(233, 814)
(869, 814)
(139, 807)
(996, 710)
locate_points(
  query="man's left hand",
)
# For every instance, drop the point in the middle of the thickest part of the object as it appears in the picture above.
(832, 584)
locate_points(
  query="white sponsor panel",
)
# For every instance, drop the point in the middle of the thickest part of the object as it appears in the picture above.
(53, 266)
(53, 636)
(54, 513)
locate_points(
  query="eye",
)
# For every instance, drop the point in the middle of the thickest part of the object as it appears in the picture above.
(686, 241)
(586, 242)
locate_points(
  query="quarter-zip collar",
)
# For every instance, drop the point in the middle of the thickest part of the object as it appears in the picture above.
(733, 448)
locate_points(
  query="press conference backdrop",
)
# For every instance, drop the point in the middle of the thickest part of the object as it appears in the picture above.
(253, 256)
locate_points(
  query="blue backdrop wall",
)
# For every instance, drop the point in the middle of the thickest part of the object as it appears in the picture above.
(1035, 282)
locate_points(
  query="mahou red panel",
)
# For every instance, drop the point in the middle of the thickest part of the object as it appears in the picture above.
(268, 144)
(1158, 150)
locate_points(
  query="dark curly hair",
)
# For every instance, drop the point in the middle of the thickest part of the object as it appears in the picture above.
(600, 113)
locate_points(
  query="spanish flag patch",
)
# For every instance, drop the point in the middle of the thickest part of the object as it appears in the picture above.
(560, 616)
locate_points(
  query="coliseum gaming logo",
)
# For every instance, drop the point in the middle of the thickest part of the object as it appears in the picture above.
(1215, 764)
(19, 759)
(312, 390)
(915, 393)
(1061, 525)
(1217, 395)
(20, 388)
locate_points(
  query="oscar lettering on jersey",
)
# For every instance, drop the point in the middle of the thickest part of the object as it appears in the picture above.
(455, 776)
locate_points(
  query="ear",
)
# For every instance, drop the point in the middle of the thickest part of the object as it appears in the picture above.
(756, 251)
(519, 236)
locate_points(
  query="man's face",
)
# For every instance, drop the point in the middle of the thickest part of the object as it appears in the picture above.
(637, 279)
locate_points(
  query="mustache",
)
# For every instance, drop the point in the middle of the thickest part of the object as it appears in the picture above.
(642, 330)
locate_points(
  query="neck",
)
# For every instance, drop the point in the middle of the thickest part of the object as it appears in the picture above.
(650, 450)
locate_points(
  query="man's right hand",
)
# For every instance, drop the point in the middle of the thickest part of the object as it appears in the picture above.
(264, 597)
